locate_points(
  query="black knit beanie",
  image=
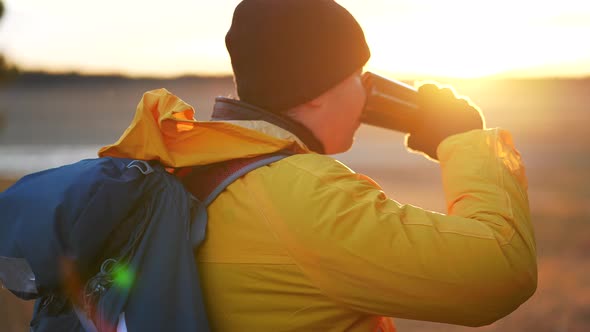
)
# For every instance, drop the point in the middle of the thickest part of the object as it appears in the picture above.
(287, 52)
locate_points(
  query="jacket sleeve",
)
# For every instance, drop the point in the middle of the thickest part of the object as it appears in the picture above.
(471, 266)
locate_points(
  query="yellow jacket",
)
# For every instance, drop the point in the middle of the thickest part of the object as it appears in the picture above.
(306, 244)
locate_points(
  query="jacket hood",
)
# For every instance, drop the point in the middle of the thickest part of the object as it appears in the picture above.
(164, 129)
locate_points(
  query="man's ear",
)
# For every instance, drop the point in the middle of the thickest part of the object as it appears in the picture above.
(316, 102)
(309, 107)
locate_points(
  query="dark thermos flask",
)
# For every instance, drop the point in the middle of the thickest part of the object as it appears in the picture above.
(390, 104)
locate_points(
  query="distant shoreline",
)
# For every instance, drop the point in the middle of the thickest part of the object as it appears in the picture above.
(44, 77)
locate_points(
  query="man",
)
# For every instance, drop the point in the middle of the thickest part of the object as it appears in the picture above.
(306, 244)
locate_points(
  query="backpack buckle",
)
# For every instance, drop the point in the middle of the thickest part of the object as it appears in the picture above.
(143, 166)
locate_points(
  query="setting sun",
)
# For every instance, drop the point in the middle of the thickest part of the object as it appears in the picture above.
(469, 39)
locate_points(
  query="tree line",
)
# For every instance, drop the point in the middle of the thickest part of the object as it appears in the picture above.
(7, 70)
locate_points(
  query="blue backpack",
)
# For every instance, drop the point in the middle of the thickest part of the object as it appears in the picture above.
(107, 240)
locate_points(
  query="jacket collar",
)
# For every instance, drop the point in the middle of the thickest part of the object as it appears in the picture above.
(164, 128)
(227, 109)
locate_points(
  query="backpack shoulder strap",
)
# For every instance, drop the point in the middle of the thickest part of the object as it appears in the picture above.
(205, 183)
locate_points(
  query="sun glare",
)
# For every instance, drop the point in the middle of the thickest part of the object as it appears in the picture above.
(466, 39)
(452, 38)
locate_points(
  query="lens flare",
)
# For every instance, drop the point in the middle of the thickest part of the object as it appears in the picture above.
(123, 276)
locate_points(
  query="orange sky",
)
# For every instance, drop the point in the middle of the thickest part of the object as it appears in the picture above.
(408, 39)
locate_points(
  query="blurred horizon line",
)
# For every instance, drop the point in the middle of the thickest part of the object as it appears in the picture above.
(189, 75)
